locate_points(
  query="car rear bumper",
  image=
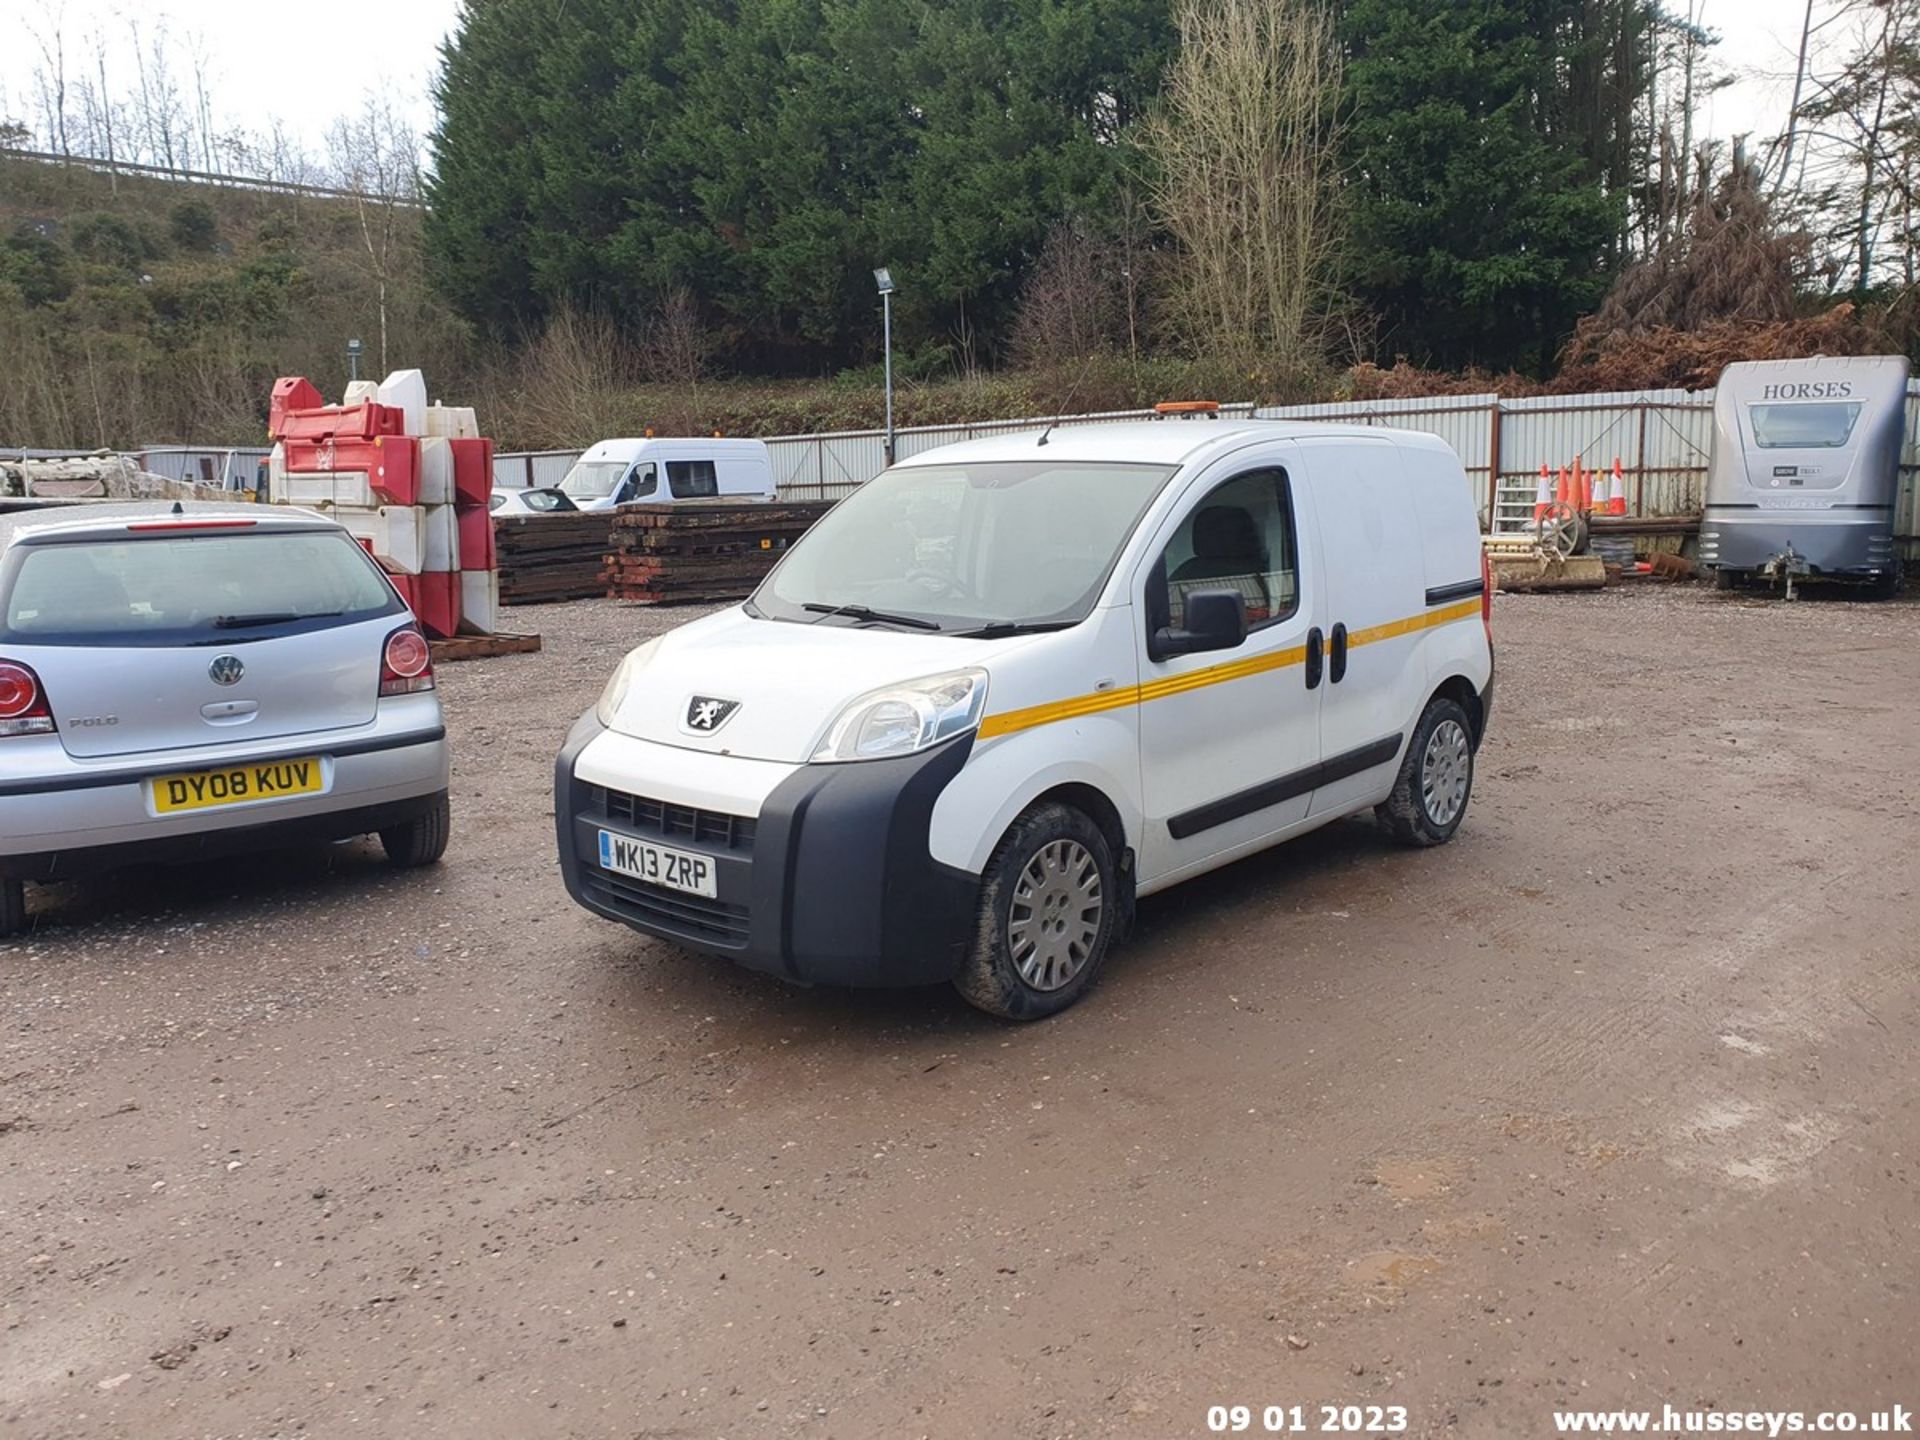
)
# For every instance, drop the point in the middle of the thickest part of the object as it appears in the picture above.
(72, 814)
(178, 849)
(830, 883)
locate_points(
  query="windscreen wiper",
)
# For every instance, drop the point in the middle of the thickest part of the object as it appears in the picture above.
(1000, 629)
(248, 622)
(876, 617)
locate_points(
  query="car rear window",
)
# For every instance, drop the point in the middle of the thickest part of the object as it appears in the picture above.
(191, 589)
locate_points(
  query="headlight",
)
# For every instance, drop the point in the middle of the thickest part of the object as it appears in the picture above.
(615, 694)
(902, 719)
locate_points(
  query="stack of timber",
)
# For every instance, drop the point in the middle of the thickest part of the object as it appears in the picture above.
(550, 557)
(668, 554)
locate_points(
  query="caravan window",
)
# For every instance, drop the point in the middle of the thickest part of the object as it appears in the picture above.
(1802, 426)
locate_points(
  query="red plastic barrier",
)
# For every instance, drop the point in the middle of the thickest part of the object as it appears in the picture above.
(391, 463)
(342, 422)
(438, 604)
(290, 392)
(476, 539)
(472, 471)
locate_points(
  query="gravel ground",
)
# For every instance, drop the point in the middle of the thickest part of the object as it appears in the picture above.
(1611, 1102)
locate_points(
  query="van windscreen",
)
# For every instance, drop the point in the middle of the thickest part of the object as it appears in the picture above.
(964, 547)
(593, 479)
(1823, 425)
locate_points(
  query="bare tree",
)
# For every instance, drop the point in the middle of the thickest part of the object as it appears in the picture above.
(1072, 305)
(376, 155)
(50, 38)
(1246, 177)
(676, 348)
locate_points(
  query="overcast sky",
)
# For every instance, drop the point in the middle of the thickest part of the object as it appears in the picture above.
(269, 65)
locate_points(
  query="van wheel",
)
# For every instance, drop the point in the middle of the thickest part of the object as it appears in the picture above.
(1724, 579)
(1048, 907)
(1430, 795)
(1888, 584)
(421, 841)
(13, 907)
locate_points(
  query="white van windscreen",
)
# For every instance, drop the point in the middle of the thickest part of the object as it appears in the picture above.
(1824, 425)
(593, 479)
(968, 547)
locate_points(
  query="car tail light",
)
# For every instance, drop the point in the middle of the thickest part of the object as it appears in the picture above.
(23, 704)
(406, 665)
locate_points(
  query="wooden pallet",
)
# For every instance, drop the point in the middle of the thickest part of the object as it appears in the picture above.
(481, 647)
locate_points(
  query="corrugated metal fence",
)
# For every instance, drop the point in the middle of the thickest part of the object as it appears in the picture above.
(1660, 437)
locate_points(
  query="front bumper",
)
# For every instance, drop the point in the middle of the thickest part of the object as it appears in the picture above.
(831, 883)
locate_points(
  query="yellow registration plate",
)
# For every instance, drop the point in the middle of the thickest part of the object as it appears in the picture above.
(209, 789)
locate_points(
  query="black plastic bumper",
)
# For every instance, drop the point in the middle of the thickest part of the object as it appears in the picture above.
(832, 884)
(213, 844)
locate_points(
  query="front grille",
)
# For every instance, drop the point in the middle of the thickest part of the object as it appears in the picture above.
(674, 822)
(692, 917)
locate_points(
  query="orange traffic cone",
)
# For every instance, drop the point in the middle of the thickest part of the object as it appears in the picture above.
(1565, 493)
(1617, 493)
(1543, 497)
(1582, 488)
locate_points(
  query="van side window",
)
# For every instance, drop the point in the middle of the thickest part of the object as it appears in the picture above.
(642, 483)
(1240, 537)
(692, 479)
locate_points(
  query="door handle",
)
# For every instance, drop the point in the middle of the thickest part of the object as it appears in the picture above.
(1316, 654)
(1337, 656)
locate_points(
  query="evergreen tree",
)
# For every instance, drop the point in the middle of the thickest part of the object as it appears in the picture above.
(1491, 153)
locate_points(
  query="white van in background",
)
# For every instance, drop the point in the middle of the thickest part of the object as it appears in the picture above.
(660, 471)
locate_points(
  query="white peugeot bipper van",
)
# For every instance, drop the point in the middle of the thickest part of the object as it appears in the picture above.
(660, 471)
(1011, 685)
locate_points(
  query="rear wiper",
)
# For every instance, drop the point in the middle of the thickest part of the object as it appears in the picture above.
(876, 617)
(1000, 629)
(248, 622)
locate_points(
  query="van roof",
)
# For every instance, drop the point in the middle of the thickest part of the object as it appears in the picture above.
(626, 447)
(1157, 442)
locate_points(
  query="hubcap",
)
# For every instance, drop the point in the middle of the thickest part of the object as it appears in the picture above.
(1445, 771)
(1055, 915)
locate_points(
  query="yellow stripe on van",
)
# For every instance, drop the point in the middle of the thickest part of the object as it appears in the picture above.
(1009, 722)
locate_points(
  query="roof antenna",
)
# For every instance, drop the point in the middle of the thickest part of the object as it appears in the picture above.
(1085, 367)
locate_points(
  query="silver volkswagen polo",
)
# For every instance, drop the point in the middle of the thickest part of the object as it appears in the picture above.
(187, 680)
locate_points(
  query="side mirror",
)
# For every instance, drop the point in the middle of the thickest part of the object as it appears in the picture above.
(1216, 620)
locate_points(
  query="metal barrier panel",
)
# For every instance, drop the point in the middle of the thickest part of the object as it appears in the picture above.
(1661, 437)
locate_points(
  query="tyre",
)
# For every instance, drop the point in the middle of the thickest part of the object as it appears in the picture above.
(1728, 580)
(1889, 582)
(420, 841)
(1049, 906)
(13, 907)
(1430, 794)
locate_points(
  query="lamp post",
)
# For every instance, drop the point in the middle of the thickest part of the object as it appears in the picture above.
(883, 277)
(354, 350)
